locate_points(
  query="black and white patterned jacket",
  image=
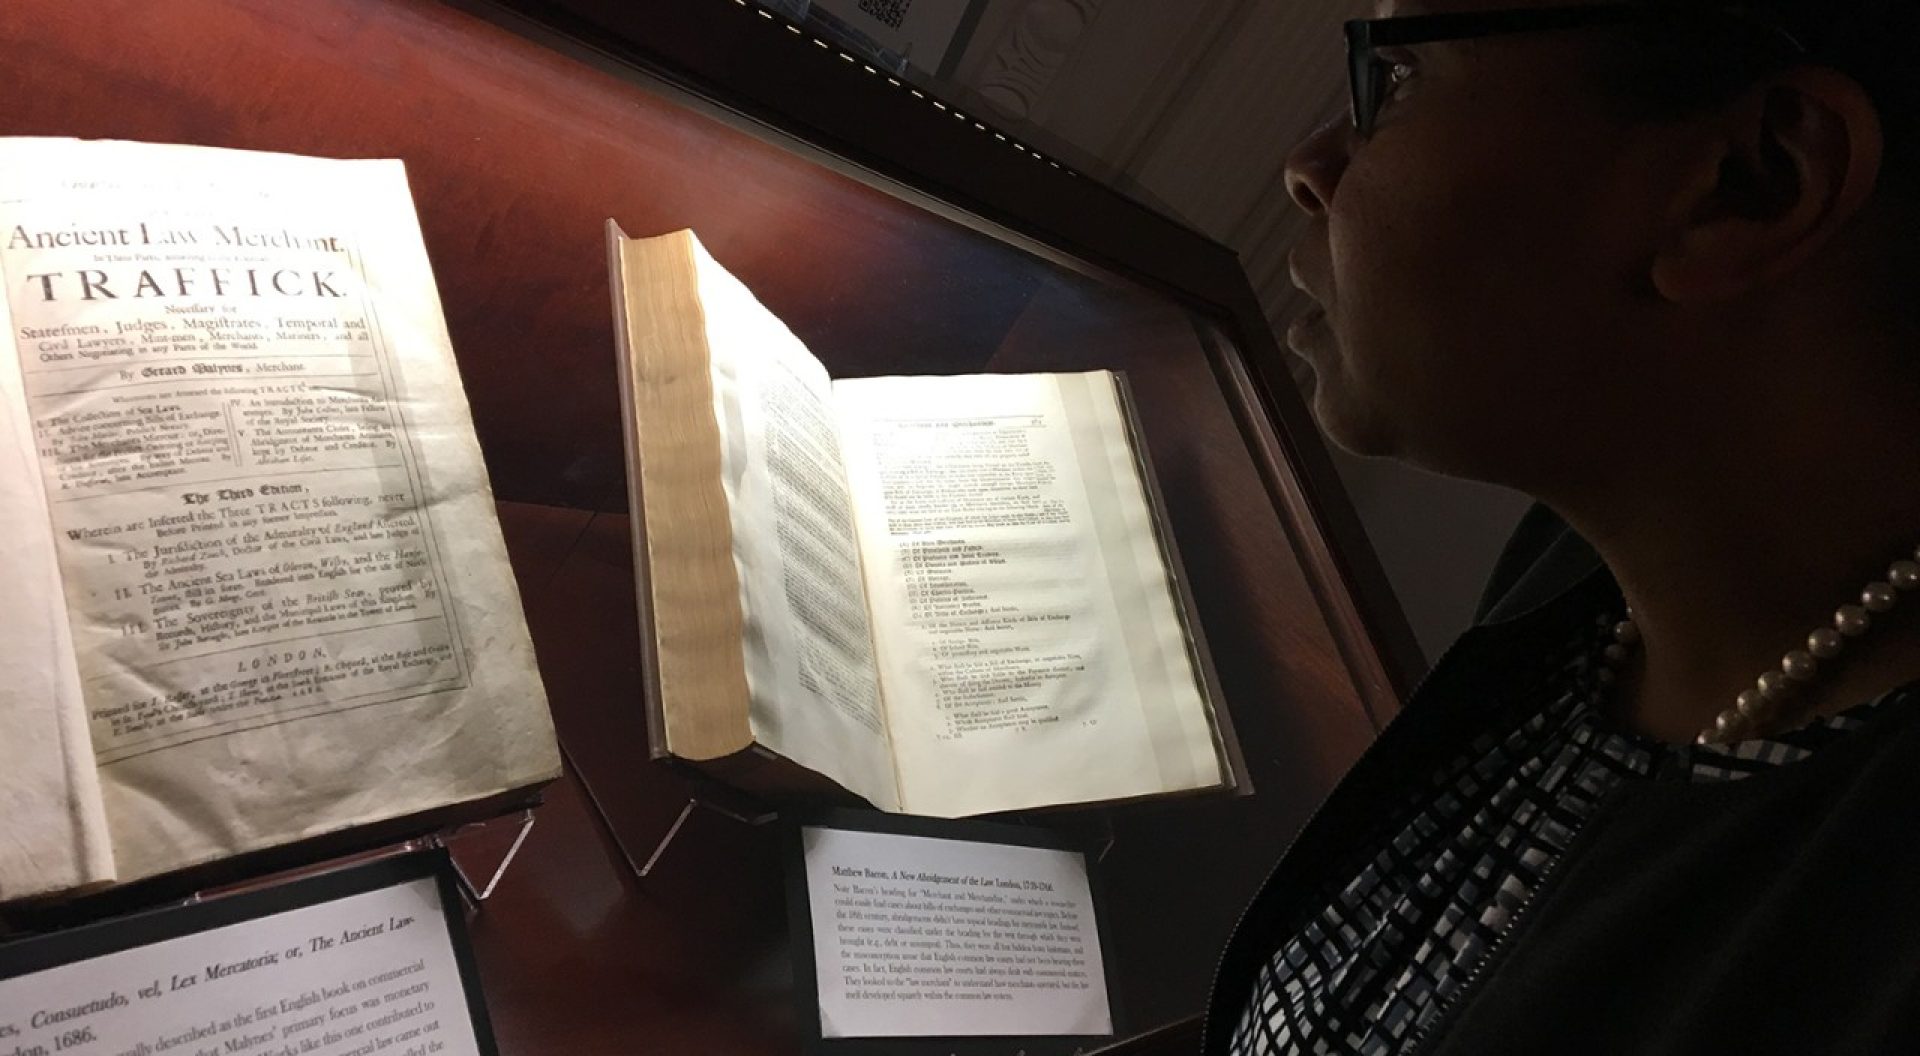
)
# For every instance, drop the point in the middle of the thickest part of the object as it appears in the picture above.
(1754, 917)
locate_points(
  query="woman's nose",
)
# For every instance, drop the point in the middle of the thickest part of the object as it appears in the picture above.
(1314, 167)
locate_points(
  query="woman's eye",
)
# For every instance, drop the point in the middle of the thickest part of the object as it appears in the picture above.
(1390, 75)
(1396, 69)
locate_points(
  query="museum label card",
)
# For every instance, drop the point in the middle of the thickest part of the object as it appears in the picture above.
(368, 960)
(917, 936)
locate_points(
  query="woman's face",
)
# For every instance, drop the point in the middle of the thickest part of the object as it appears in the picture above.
(1480, 261)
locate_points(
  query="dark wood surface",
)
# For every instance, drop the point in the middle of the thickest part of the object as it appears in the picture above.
(516, 155)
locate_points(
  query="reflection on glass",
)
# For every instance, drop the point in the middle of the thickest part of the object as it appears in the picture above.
(918, 38)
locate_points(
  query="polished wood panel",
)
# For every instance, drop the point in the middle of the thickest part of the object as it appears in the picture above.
(516, 154)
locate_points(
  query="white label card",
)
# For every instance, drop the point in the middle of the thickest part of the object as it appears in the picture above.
(368, 973)
(921, 937)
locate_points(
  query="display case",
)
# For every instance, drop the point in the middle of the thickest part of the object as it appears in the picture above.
(894, 234)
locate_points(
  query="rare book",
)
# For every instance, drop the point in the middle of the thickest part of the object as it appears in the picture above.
(256, 589)
(949, 595)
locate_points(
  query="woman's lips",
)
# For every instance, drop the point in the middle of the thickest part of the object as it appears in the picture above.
(1307, 330)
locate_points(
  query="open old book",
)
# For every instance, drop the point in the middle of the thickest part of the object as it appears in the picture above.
(255, 589)
(950, 595)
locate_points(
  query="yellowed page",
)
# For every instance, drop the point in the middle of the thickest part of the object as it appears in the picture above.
(287, 590)
(1032, 653)
(683, 539)
(55, 833)
(813, 690)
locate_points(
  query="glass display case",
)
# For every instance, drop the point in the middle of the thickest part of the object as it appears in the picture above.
(894, 233)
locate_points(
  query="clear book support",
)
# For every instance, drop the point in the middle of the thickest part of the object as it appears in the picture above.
(1102, 838)
(517, 827)
(645, 868)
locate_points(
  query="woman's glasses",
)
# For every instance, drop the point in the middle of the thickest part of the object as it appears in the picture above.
(1369, 74)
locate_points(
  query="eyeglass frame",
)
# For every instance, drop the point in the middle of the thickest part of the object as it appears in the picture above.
(1367, 72)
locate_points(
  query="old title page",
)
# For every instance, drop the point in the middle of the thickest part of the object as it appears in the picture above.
(288, 596)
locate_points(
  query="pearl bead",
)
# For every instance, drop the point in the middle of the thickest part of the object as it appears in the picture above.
(1851, 620)
(1878, 597)
(1755, 709)
(1798, 665)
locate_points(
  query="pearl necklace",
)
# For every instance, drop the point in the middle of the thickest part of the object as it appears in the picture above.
(1760, 710)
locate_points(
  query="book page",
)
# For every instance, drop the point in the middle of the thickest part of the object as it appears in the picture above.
(809, 655)
(1032, 653)
(55, 836)
(287, 591)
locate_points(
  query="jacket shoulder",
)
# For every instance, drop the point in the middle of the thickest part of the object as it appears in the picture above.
(1541, 560)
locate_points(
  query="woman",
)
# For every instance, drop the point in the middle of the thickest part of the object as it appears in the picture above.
(1647, 262)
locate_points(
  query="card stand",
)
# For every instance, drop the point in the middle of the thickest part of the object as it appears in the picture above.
(467, 843)
(457, 840)
(1108, 839)
(448, 840)
(1099, 839)
(697, 802)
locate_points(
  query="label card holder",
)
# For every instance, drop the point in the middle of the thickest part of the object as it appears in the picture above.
(959, 938)
(369, 959)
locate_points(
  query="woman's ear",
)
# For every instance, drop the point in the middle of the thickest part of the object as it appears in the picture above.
(1796, 157)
